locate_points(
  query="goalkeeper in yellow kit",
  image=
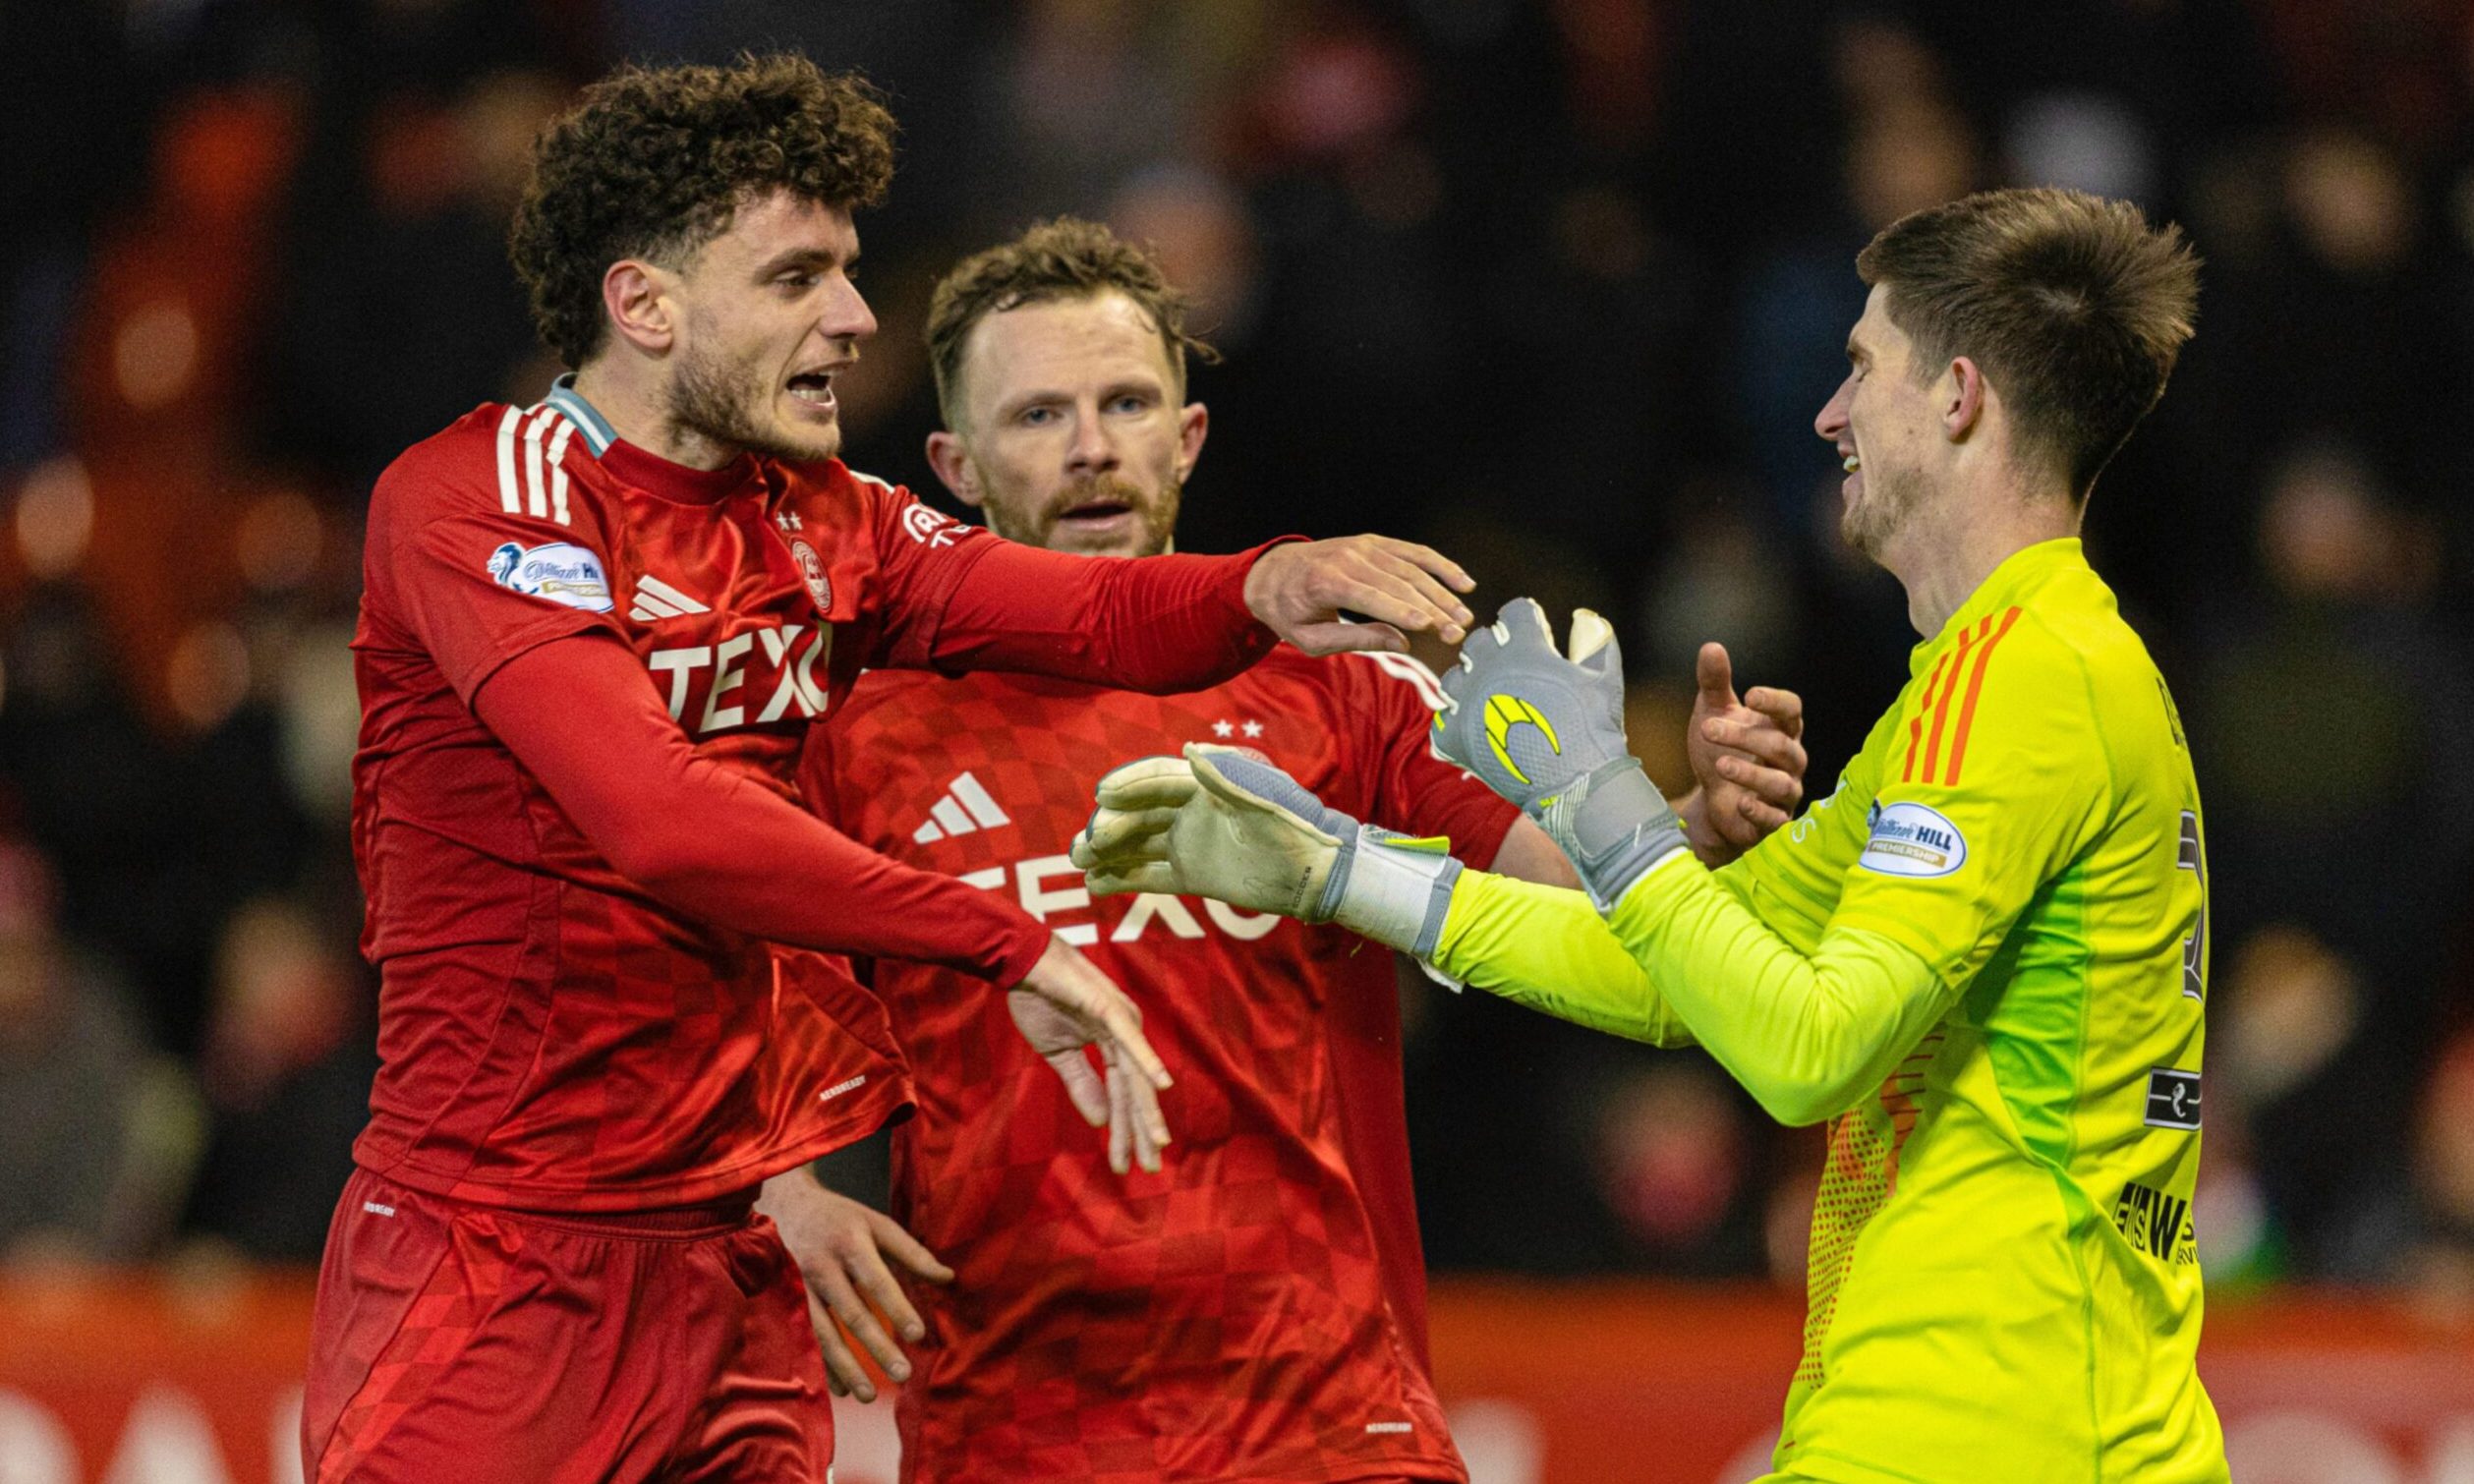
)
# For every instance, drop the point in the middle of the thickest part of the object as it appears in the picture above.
(1982, 959)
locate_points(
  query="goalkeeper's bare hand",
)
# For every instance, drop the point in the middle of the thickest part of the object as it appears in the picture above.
(1747, 761)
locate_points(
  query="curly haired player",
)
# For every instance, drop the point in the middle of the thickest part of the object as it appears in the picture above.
(594, 634)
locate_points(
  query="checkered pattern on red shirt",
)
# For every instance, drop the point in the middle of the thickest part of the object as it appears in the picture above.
(1256, 1310)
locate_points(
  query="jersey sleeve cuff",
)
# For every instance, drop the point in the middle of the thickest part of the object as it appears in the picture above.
(1258, 638)
(1026, 942)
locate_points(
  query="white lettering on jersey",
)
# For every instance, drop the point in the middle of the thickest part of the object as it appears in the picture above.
(1032, 887)
(681, 663)
(1246, 925)
(729, 675)
(797, 685)
(929, 527)
(1159, 904)
(1030, 880)
(785, 674)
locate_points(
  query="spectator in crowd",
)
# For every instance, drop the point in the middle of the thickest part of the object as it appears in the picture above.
(2442, 1269)
(95, 1131)
(286, 1073)
(2321, 717)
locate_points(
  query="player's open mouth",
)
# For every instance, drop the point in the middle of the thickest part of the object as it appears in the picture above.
(814, 388)
(1096, 513)
(1853, 484)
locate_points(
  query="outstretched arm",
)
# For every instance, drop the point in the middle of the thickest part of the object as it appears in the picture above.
(581, 714)
(1681, 960)
(1941, 875)
(1180, 622)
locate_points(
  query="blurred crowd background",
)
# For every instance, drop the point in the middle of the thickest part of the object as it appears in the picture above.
(1554, 284)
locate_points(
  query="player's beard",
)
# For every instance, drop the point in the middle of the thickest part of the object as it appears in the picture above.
(1890, 500)
(1155, 516)
(729, 402)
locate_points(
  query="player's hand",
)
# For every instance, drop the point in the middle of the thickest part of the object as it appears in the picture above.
(1224, 823)
(843, 1250)
(1748, 757)
(1270, 848)
(1067, 1004)
(1545, 730)
(1299, 589)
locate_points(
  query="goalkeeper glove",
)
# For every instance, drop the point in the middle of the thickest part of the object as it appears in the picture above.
(1222, 823)
(1546, 731)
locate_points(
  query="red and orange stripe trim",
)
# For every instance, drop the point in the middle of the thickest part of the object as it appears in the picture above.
(1925, 757)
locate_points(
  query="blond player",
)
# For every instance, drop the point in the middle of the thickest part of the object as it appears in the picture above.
(1982, 959)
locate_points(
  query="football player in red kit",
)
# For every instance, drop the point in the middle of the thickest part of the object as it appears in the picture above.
(592, 634)
(1256, 1310)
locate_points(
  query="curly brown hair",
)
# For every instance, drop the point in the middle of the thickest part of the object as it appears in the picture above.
(1063, 258)
(2072, 304)
(652, 162)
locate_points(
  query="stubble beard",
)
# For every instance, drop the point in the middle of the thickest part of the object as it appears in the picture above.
(1889, 501)
(1155, 516)
(726, 402)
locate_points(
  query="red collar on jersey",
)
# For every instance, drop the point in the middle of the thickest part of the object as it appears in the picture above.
(658, 476)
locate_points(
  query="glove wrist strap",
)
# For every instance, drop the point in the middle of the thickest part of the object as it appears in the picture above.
(1393, 889)
(1614, 825)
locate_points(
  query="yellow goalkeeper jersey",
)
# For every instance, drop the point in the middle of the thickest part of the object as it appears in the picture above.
(1983, 959)
(2003, 1283)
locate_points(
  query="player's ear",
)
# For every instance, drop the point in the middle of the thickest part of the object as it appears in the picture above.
(1194, 420)
(1963, 399)
(634, 296)
(952, 464)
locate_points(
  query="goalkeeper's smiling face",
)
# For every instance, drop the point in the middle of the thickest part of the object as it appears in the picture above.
(1076, 432)
(1879, 422)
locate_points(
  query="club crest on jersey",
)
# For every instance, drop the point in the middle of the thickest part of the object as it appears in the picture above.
(1909, 839)
(812, 572)
(561, 572)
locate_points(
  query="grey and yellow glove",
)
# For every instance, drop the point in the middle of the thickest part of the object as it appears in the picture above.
(1545, 730)
(1224, 823)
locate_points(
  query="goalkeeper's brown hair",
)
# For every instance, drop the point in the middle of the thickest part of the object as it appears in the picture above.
(2073, 305)
(652, 163)
(1063, 258)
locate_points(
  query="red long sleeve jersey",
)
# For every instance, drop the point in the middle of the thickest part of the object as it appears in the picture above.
(550, 1036)
(1256, 1310)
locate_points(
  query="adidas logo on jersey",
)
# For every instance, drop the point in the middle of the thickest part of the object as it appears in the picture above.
(965, 809)
(656, 599)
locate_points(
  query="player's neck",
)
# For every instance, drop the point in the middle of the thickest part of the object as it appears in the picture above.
(634, 402)
(1946, 552)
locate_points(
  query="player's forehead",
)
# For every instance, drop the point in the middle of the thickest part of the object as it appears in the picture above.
(1064, 344)
(1876, 336)
(779, 226)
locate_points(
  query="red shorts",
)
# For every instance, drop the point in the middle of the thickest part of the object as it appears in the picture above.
(456, 1343)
